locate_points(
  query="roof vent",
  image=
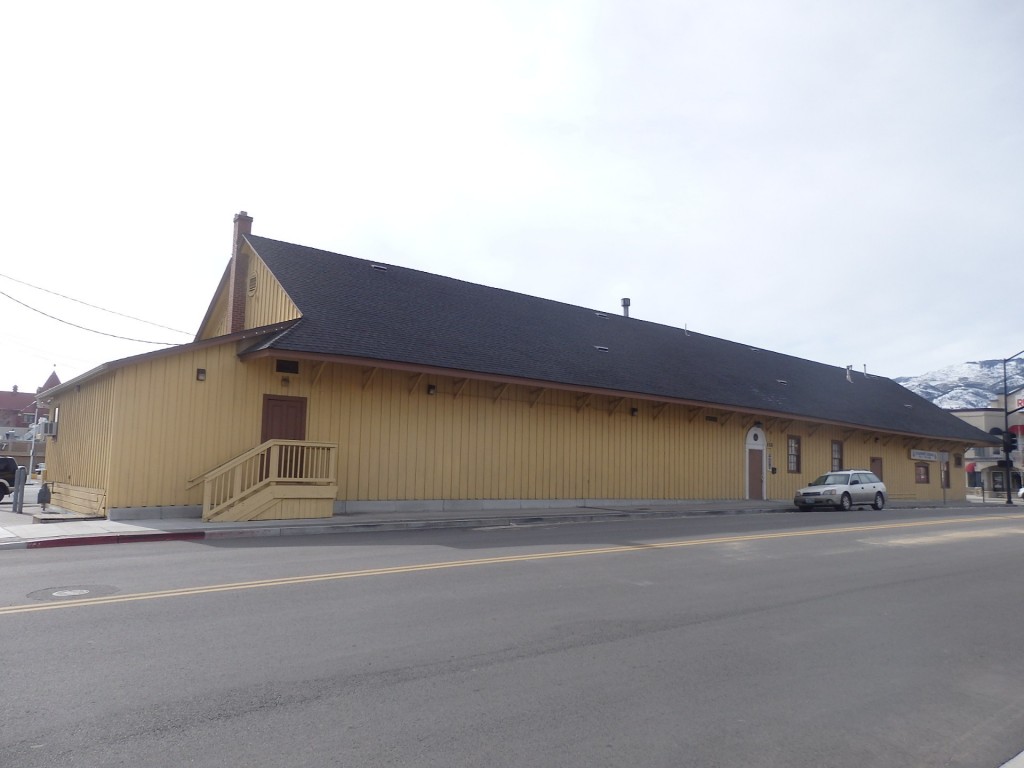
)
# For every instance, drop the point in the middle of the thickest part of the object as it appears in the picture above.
(783, 382)
(601, 314)
(849, 373)
(379, 267)
(600, 349)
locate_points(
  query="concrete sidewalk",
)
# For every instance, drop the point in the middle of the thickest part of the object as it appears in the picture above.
(21, 531)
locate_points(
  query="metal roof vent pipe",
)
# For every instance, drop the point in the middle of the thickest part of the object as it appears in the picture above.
(849, 373)
(625, 307)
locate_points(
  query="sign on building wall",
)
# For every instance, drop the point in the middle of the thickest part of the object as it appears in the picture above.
(924, 455)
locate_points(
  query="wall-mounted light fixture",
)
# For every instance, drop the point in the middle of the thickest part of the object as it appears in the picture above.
(759, 425)
(634, 411)
(200, 374)
(285, 381)
(431, 389)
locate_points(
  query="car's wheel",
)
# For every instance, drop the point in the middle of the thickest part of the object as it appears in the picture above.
(3, 493)
(846, 503)
(879, 501)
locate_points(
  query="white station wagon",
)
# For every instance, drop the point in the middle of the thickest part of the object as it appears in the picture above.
(842, 490)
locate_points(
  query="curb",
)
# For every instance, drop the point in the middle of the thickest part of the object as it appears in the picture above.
(367, 527)
(116, 538)
(506, 521)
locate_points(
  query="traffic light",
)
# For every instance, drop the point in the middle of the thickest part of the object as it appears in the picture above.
(1010, 442)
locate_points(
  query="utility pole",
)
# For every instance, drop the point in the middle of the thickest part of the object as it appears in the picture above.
(1008, 437)
(32, 450)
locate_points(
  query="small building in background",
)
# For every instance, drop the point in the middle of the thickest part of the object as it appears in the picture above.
(985, 468)
(20, 436)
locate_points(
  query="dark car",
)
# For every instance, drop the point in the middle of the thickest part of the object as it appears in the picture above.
(842, 490)
(8, 469)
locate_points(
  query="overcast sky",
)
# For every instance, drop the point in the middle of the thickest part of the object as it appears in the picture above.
(839, 181)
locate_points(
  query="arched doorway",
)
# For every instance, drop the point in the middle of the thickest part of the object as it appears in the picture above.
(755, 478)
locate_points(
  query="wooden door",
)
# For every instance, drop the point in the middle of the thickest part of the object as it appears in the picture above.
(876, 467)
(284, 418)
(755, 473)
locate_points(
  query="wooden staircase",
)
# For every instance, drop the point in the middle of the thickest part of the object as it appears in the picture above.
(278, 480)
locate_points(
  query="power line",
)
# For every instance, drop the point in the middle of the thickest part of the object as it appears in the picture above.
(90, 330)
(101, 309)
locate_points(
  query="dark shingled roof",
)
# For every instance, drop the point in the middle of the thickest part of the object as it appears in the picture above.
(351, 309)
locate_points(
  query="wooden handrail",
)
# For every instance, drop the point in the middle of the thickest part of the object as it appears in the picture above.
(193, 482)
(275, 462)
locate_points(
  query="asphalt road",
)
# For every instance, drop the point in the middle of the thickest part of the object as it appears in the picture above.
(857, 639)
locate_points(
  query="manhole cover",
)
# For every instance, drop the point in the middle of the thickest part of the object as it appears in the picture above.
(75, 592)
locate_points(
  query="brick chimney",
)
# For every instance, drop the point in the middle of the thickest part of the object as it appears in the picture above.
(239, 272)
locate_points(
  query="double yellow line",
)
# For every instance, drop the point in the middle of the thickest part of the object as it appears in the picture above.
(402, 569)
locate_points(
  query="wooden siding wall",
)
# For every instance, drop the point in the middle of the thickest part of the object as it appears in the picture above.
(183, 427)
(269, 303)
(859, 446)
(219, 323)
(80, 456)
(478, 440)
(489, 442)
(470, 440)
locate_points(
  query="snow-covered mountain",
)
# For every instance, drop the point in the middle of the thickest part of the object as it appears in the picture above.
(967, 385)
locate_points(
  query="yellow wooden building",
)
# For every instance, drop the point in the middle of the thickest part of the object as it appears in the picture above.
(321, 384)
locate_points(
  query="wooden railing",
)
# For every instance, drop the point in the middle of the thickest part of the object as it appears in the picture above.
(287, 463)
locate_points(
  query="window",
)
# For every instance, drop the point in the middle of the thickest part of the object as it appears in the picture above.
(921, 474)
(792, 453)
(837, 455)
